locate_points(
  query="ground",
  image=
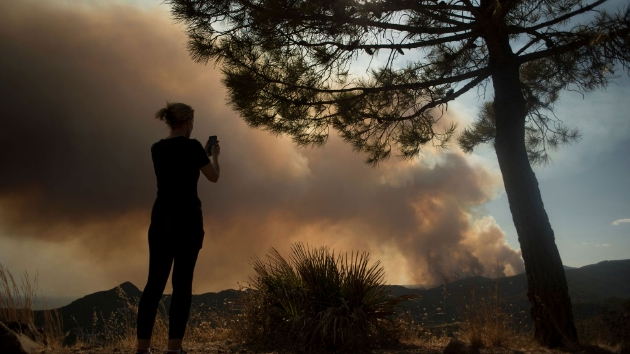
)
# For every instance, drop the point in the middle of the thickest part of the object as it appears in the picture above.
(228, 347)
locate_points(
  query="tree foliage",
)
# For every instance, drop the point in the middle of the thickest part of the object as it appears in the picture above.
(287, 64)
(382, 73)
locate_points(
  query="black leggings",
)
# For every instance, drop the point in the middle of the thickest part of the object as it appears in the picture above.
(162, 255)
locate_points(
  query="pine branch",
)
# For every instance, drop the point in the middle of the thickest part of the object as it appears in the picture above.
(439, 16)
(409, 86)
(449, 97)
(517, 29)
(397, 6)
(389, 26)
(471, 8)
(414, 45)
(587, 40)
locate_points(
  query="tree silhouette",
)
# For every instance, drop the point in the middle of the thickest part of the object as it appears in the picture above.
(286, 65)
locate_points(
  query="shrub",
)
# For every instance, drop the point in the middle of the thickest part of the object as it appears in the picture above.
(318, 299)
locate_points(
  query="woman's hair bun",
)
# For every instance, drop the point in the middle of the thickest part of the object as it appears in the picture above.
(175, 114)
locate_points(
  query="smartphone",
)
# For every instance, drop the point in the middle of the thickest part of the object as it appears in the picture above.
(213, 141)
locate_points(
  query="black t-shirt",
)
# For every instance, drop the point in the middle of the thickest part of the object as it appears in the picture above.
(176, 162)
(176, 218)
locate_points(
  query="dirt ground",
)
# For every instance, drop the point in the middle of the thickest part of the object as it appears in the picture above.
(227, 347)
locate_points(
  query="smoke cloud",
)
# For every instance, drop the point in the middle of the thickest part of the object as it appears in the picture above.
(78, 88)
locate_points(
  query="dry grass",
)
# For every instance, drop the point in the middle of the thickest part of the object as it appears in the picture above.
(119, 329)
(483, 318)
(17, 306)
(420, 335)
(16, 301)
(486, 322)
(204, 330)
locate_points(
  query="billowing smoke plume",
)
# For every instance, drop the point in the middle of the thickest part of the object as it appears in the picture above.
(78, 90)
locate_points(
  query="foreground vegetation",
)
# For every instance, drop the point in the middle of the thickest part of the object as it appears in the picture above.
(17, 303)
(318, 299)
(312, 300)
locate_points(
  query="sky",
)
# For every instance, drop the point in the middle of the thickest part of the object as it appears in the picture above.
(80, 82)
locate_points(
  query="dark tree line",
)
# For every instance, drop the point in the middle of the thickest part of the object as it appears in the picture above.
(286, 65)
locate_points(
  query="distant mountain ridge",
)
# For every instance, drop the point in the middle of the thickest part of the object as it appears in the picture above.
(102, 304)
(589, 287)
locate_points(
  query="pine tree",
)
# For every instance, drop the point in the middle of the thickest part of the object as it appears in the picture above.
(286, 65)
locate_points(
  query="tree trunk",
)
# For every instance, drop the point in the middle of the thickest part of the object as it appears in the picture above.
(551, 308)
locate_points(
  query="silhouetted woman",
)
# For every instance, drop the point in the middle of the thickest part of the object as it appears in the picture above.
(176, 231)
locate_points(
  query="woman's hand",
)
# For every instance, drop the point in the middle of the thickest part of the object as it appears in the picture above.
(206, 147)
(212, 170)
(216, 150)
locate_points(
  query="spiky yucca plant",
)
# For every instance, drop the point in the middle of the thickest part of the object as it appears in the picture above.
(317, 298)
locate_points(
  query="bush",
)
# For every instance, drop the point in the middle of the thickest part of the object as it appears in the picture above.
(317, 299)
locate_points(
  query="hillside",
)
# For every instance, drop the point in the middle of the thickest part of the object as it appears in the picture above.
(591, 288)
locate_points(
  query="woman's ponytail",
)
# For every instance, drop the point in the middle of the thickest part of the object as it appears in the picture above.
(175, 114)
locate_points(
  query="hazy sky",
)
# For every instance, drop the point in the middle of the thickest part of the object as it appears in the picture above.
(81, 80)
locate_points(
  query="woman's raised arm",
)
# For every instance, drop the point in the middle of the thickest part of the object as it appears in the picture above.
(212, 170)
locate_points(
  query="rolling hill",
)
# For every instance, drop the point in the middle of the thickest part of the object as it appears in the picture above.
(591, 288)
